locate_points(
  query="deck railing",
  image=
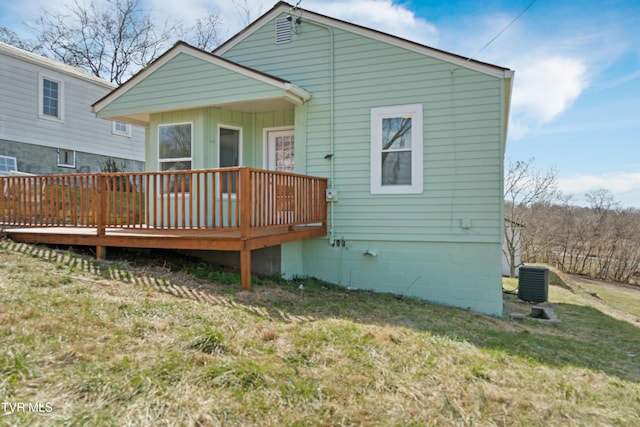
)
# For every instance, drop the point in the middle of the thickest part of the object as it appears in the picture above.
(230, 198)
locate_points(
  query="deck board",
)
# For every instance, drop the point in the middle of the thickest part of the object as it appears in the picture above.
(207, 239)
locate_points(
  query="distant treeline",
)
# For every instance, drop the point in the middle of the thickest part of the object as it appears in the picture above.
(601, 241)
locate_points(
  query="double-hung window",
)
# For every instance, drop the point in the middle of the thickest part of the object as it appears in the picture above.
(51, 98)
(396, 150)
(174, 154)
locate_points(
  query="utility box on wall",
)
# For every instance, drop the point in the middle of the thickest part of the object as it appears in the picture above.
(533, 284)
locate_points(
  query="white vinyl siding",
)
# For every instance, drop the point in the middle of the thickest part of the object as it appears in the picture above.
(81, 130)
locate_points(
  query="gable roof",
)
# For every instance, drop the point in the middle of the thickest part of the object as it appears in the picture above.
(287, 91)
(50, 64)
(284, 7)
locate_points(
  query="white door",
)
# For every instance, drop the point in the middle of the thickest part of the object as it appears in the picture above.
(281, 150)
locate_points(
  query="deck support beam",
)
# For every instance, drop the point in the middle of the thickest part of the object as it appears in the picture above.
(245, 269)
(101, 252)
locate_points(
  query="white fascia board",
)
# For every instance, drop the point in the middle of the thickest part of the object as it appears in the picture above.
(211, 58)
(459, 61)
(50, 64)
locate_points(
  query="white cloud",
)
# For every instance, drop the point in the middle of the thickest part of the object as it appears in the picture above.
(382, 15)
(620, 184)
(544, 88)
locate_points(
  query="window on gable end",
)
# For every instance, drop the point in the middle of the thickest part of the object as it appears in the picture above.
(396, 150)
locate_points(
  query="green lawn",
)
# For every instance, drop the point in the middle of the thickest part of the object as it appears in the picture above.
(155, 341)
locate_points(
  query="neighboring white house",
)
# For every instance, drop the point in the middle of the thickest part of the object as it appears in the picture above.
(46, 123)
(513, 234)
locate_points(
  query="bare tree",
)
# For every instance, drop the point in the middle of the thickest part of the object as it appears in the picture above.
(523, 188)
(8, 36)
(204, 34)
(114, 39)
(247, 12)
(111, 39)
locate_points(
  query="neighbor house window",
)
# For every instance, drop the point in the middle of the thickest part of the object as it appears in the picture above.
(396, 150)
(174, 153)
(7, 164)
(66, 158)
(229, 155)
(121, 129)
(50, 103)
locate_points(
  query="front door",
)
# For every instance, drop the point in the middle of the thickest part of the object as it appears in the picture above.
(280, 150)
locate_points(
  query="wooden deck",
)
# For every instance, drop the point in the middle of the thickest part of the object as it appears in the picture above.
(231, 209)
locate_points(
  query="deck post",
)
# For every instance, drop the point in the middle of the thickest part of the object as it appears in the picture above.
(101, 213)
(245, 269)
(244, 204)
(101, 204)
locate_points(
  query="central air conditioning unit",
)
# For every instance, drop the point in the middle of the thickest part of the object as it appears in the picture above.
(533, 284)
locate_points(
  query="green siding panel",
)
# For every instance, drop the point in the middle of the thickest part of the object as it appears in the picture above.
(462, 131)
(189, 82)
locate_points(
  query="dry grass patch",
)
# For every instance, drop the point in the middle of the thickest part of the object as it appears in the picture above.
(128, 342)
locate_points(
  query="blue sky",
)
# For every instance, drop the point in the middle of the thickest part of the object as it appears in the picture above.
(576, 102)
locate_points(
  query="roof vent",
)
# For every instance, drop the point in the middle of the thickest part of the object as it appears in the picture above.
(283, 31)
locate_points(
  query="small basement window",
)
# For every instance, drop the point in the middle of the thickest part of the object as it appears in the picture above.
(66, 158)
(283, 31)
(7, 164)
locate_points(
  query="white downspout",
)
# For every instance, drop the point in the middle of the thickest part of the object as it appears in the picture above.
(331, 112)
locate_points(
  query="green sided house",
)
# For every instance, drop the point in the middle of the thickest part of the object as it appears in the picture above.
(410, 138)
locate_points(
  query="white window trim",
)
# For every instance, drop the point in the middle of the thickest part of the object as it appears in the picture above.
(417, 137)
(117, 132)
(41, 115)
(239, 129)
(15, 163)
(172, 159)
(66, 165)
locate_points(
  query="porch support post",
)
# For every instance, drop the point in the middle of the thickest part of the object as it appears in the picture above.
(101, 252)
(245, 269)
(244, 204)
(101, 214)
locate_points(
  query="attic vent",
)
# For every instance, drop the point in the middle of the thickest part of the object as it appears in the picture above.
(283, 31)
